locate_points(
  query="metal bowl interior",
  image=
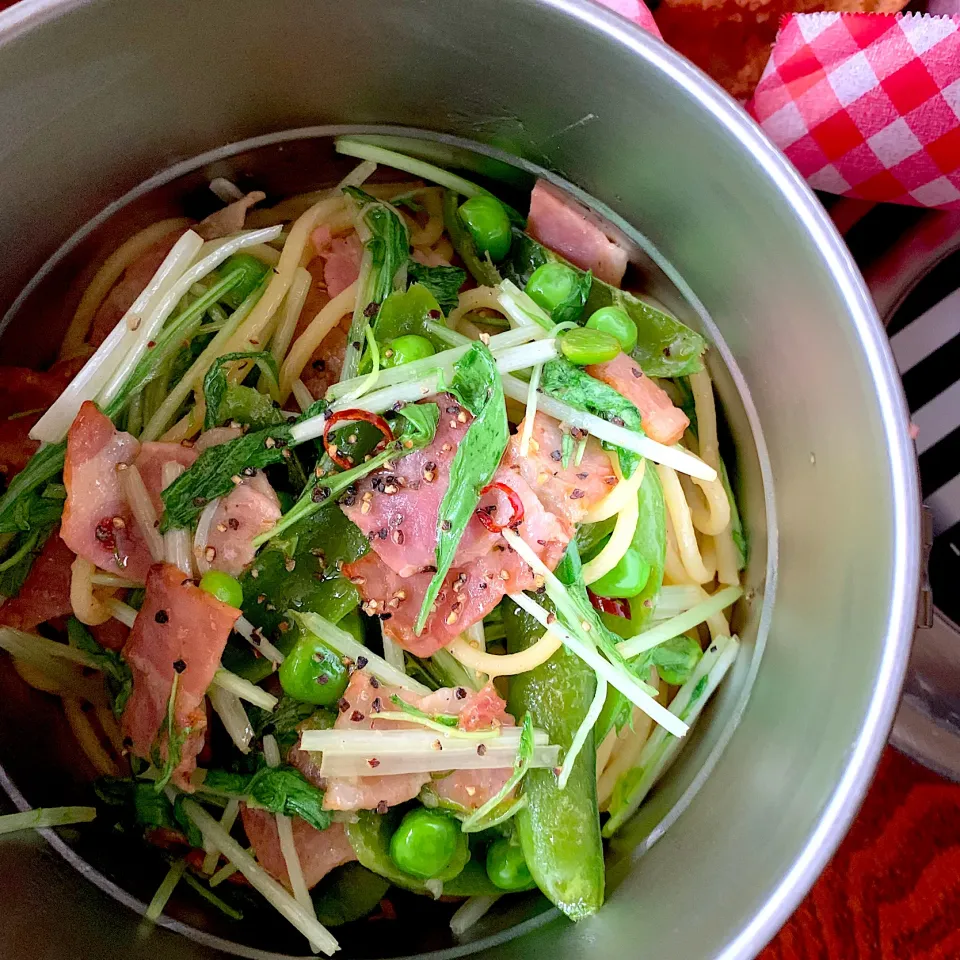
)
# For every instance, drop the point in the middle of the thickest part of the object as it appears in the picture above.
(730, 233)
(298, 161)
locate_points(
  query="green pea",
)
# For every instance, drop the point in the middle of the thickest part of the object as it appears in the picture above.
(405, 349)
(223, 587)
(424, 843)
(615, 321)
(583, 347)
(313, 673)
(486, 219)
(552, 284)
(506, 866)
(626, 579)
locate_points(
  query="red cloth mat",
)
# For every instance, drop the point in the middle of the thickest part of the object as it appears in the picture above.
(892, 892)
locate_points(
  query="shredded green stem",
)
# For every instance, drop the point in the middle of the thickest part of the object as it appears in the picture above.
(46, 817)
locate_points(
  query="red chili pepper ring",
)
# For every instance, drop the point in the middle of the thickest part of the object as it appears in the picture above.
(344, 416)
(516, 505)
(612, 605)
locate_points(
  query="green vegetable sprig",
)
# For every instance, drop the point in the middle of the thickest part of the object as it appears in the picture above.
(478, 387)
(215, 384)
(115, 671)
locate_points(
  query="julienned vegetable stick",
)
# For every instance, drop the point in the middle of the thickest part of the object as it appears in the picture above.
(212, 254)
(96, 372)
(400, 161)
(419, 368)
(619, 436)
(516, 358)
(260, 880)
(46, 817)
(244, 689)
(669, 629)
(626, 684)
(661, 748)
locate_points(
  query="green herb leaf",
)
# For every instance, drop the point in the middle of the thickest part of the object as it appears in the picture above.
(252, 272)
(674, 659)
(172, 737)
(114, 668)
(477, 385)
(739, 535)
(45, 465)
(215, 381)
(407, 312)
(572, 384)
(443, 282)
(382, 269)
(284, 790)
(212, 473)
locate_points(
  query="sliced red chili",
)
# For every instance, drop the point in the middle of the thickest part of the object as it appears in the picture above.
(345, 416)
(612, 605)
(516, 505)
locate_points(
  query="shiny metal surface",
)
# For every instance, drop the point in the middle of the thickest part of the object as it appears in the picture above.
(921, 262)
(97, 97)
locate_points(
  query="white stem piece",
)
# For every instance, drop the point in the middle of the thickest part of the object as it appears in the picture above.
(235, 720)
(244, 689)
(86, 385)
(674, 457)
(176, 541)
(260, 880)
(673, 627)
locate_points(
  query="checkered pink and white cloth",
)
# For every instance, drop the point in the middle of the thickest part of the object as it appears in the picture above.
(868, 105)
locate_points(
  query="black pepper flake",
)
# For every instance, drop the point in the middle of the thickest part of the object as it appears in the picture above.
(320, 365)
(577, 493)
(128, 742)
(323, 679)
(617, 421)
(161, 616)
(361, 662)
(375, 683)
(556, 455)
(199, 501)
(384, 616)
(356, 716)
(460, 693)
(483, 584)
(637, 372)
(319, 494)
(481, 749)
(370, 310)
(382, 807)
(377, 705)
(343, 704)
(356, 344)
(446, 525)
(382, 533)
(248, 472)
(582, 476)
(179, 665)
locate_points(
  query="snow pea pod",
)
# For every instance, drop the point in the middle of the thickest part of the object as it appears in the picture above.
(559, 830)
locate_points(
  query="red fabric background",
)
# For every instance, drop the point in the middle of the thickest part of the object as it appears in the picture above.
(892, 892)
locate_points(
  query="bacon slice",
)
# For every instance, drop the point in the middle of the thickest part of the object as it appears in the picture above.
(97, 522)
(341, 259)
(251, 508)
(181, 630)
(45, 593)
(319, 851)
(151, 460)
(576, 233)
(660, 419)
(571, 491)
(365, 700)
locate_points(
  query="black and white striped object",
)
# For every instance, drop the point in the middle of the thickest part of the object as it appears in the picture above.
(925, 338)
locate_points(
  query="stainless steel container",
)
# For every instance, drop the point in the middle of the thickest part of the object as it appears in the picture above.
(97, 97)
